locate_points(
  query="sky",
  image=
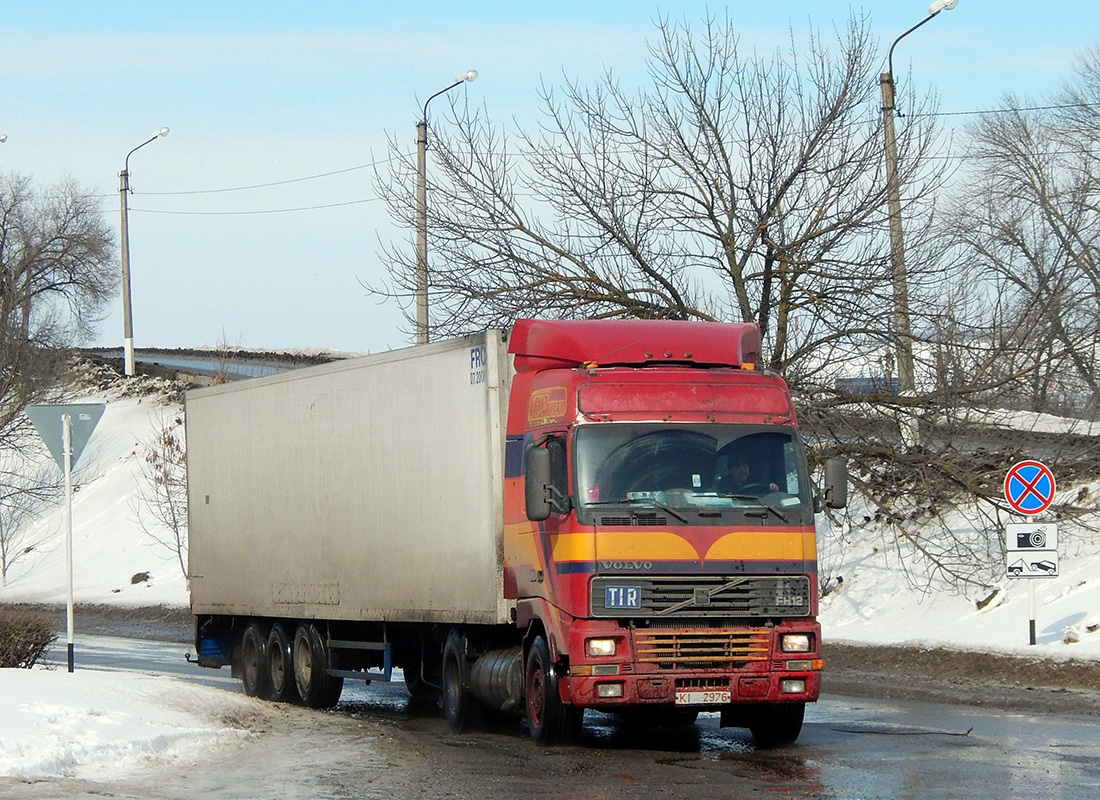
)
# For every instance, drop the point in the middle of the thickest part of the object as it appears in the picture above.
(307, 95)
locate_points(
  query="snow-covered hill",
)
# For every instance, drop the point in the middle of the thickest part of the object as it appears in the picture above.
(115, 561)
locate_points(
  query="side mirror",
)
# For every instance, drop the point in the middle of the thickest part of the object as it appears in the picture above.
(536, 483)
(836, 483)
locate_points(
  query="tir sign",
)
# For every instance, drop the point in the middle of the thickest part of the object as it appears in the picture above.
(622, 597)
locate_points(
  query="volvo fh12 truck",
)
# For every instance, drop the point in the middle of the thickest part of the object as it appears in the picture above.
(602, 514)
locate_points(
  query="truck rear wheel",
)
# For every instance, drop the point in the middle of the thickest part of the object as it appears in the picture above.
(777, 725)
(458, 705)
(316, 687)
(548, 718)
(279, 666)
(254, 670)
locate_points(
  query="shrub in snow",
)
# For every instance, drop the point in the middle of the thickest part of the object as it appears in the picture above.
(1071, 636)
(24, 637)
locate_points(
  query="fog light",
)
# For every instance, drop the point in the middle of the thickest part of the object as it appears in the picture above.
(798, 666)
(609, 690)
(795, 643)
(792, 686)
(600, 648)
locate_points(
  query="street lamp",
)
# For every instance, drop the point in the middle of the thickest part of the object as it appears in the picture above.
(902, 328)
(422, 211)
(127, 316)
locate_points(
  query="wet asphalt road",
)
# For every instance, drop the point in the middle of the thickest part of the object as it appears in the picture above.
(375, 744)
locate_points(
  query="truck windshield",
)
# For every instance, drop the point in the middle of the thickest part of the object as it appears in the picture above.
(699, 472)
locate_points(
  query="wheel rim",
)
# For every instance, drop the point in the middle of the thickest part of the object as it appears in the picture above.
(251, 662)
(451, 689)
(303, 663)
(278, 669)
(536, 693)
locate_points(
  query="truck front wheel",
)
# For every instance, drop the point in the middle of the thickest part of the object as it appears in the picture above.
(548, 718)
(777, 725)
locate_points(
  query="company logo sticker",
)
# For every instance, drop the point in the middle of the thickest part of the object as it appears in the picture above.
(546, 406)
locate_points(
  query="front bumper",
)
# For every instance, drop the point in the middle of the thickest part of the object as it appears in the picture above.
(700, 690)
(692, 667)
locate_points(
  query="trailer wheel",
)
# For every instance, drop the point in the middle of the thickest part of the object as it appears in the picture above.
(548, 718)
(777, 725)
(316, 687)
(458, 705)
(254, 669)
(279, 666)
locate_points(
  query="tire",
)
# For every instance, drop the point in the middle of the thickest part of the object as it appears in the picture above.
(549, 720)
(777, 725)
(316, 687)
(254, 669)
(280, 667)
(458, 704)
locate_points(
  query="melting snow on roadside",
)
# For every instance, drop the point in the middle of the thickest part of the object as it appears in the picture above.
(99, 725)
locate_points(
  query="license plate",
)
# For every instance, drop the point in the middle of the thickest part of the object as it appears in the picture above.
(622, 597)
(696, 697)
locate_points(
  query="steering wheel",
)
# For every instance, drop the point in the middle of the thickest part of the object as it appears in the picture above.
(757, 489)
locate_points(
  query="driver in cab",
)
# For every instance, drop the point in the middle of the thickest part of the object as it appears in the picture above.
(739, 478)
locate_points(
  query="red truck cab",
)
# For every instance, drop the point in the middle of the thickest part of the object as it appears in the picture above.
(659, 527)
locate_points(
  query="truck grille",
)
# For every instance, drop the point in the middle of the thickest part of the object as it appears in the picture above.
(701, 649)
(671, 597)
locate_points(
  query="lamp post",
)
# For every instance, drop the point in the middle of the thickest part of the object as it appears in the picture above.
(422, 210)
(902, 327)
(127, 315)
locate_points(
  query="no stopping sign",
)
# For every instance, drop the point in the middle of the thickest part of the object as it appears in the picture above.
(1029, 487)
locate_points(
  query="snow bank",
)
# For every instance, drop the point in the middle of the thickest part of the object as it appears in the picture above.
(885, 598)
(100, 725)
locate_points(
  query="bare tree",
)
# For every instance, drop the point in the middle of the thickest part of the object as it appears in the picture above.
(24, 492)
(1027, 226)
(56, 274)
(736, 186)
(163, 492)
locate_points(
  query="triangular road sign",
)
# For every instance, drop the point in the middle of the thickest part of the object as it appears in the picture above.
(49, 420)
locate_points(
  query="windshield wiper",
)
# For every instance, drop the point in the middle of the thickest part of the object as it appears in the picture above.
(760, 501)
(632, 500)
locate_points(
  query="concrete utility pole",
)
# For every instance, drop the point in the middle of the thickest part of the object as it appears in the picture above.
(422, 210)
(903, 330)
(127, 315)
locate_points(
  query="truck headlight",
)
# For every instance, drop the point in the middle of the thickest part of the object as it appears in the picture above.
(795, 643)
(600, 648)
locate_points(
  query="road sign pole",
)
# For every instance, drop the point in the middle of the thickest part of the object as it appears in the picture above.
(1031, 610)
(77, 421)
(67, 448)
